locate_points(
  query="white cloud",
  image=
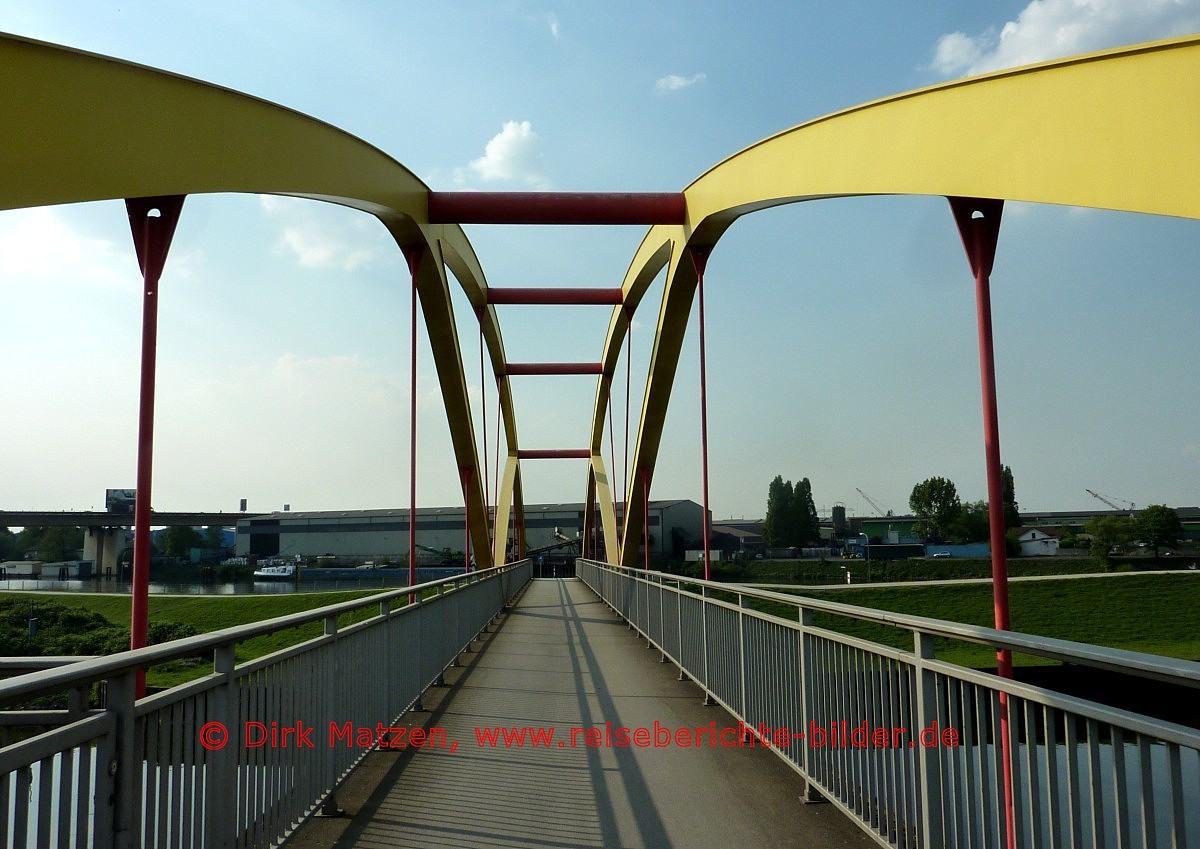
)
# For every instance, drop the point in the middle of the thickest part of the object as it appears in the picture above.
(319, 235)
(675, 82)
(40, 245)
(552, 20)
(1052, 29)
(512, 155)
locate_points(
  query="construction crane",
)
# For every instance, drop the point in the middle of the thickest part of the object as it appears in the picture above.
(873, 503)
(1111, 502)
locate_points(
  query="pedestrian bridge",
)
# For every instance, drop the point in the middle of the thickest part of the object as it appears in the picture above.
(905, 748)
(622, 708)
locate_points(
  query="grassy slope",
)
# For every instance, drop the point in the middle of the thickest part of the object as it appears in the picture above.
(211, 613)
(1148, 613)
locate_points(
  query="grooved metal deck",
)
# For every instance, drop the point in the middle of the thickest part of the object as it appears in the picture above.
(562, 659)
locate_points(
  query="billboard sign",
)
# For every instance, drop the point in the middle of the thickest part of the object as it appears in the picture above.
(119, 500)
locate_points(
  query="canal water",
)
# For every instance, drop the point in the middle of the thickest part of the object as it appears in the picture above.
(353, 579)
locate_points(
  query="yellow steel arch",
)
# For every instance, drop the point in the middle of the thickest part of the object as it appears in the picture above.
(1116, 130)
(81, 127)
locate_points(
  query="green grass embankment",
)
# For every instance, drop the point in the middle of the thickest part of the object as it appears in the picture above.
(1147, 613)
(212, 613)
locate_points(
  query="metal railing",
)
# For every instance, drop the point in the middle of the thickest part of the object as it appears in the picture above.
(1083, 774)
(240, 756)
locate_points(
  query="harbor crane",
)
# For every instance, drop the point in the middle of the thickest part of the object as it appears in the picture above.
(874, 504)
(1112, 502)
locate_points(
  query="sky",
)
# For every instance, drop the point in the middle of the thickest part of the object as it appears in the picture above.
(841, 334)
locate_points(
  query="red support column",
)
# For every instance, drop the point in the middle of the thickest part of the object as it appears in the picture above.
(700, 260)
(152, 221)
(413, 254)
(978, 223)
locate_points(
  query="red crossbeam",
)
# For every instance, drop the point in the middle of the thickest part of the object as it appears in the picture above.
(643, 208)
(554, 454)
(555, 297)
(554, 368)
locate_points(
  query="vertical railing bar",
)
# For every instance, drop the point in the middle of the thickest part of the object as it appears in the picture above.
(1175, 783)
(1149, 826)
(988, 723)
(1054, 801)
(67, 798)
(21, 824)
(86, 819)
(1015, 711)
(44, 809)
(741, 651)
(1033, 795)
(1095, 798)
(955, 772)
(148, 745)
(177, 768)
(1073, 753)
(932, 819)
(190, 739)
(803, 662)
(895, 754)
(1121, 807)
(247, 759)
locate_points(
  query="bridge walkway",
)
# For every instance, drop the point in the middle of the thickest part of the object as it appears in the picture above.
(560, 658)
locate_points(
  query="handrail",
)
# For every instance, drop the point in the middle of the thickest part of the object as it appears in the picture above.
(1185, 672)
(62, 677)
(1082, 771)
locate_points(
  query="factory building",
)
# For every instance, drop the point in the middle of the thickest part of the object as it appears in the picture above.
(382, 535)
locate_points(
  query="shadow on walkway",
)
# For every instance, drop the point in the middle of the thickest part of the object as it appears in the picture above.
(562, 660)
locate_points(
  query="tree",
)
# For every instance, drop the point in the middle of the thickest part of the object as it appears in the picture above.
(972, 524)
(806, 523)
(779, 500)
(935, 503)
(179, 540)
(1158, 525)
(8, 544)
(1008, 493)
(213, 537)
(1107, 533)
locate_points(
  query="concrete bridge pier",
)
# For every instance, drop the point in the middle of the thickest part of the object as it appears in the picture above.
(103, 545)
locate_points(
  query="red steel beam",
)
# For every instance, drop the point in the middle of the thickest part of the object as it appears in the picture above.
(555, 297)
(553, 368)
(554, 454)
(643, 208)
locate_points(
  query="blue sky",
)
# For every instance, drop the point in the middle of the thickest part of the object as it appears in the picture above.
(841, 337)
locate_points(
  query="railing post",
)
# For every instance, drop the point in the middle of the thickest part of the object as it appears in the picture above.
(220, 776)
(806, 619)
(704, 636)
(122, 772)
(742, 604)
(929, 759)
(329, 807)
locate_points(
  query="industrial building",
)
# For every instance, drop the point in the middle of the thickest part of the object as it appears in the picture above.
(382, 535)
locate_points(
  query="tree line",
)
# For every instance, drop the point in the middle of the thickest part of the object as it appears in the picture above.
(54, 544)
(942, 517)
